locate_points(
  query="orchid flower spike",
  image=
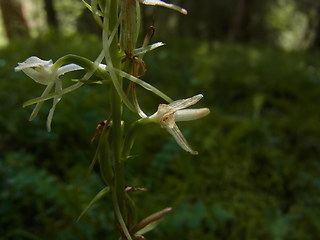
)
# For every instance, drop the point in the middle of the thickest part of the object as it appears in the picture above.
(164, 4)
(168, 114)
(45, 73)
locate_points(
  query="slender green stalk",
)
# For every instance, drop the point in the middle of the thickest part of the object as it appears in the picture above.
(116, 108)
(113, 60)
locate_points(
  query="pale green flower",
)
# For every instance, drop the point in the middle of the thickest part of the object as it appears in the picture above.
(44, 72)
(168, 114)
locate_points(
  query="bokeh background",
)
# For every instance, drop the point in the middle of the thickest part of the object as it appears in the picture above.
(258, 172)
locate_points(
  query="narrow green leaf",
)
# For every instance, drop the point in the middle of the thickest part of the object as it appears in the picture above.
(143, 50)
(119, 217)
(98, 196)
(93, 162)
(143, 84)
(149, 227)
(131, 211)
(87, 5)
(149, 220)
(97, 12)
(104, 157)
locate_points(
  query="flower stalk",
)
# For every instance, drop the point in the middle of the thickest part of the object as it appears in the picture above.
(113, 60)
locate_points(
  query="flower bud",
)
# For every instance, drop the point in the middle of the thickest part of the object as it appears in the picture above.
(130, 24)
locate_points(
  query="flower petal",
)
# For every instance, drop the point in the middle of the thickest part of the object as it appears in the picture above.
(180, 139)
(37, 76)
(39, 104)
(32, 62)
(184, 103)
(37, 69)
(57, 99)
(190, 114)
(68, 68)
(164, 4)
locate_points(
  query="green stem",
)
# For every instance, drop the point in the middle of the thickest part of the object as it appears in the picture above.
(116, 109)
(113, 59)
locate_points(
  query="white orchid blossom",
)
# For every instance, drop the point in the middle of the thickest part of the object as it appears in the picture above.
(164, 4)
(43, 72)
(168, 114)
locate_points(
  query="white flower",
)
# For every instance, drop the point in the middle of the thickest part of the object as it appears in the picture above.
(168, 114)
(163, 4)
(45, 73)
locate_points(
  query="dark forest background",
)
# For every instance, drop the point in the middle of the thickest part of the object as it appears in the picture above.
(287, 23)
(258, 172)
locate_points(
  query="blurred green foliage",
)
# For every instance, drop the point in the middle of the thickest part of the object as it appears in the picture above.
(257, 175)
